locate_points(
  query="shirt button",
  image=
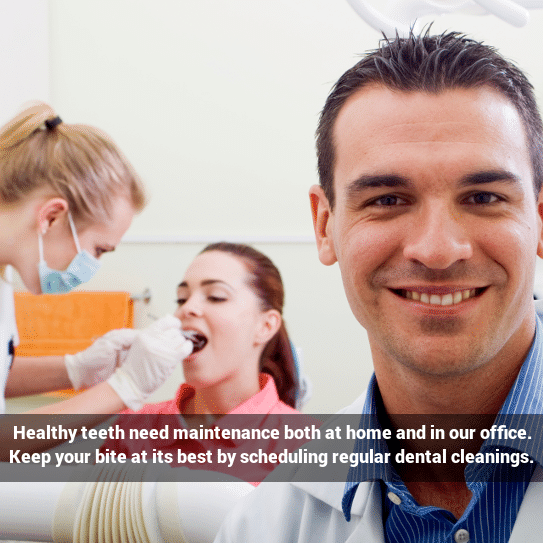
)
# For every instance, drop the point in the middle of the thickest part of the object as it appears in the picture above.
(461, 536)
(395, 499)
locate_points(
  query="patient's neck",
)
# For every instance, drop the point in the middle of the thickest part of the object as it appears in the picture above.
(222, 398)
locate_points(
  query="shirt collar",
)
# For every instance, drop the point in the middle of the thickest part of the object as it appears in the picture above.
(254, 410)
(523, 406)
(526, 394)
(262, 402)
(525, 397)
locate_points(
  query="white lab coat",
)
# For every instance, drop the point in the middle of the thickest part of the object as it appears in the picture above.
(8, 332)
(311, 512)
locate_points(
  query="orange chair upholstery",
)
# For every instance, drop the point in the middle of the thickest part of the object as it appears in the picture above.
(59, 324)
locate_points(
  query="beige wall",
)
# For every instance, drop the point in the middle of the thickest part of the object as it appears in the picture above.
(24, 54)
(216, 104)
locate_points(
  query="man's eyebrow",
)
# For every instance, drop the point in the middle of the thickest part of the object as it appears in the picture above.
(395, 181)
(492, 176)
(376, 181)
(204, 283)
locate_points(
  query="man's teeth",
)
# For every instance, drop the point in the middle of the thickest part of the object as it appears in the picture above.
(435, 299)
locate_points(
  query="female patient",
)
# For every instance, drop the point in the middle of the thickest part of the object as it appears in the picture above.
(231, 297)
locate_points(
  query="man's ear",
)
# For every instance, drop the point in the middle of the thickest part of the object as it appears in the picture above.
(269, 326)
(50, 212)
(322, 224)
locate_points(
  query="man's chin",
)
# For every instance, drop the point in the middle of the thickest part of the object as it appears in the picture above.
(438, 354)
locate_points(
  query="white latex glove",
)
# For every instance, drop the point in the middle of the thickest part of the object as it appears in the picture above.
(154, 354)
(96, 363)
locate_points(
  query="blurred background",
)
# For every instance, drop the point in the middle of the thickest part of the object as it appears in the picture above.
(215, 103)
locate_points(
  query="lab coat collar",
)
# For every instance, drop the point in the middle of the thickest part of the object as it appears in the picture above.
(367, 496)
(529, 522)
(331, 492)
(366, 508)
(368, 505)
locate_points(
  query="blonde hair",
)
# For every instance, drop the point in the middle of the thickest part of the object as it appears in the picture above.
(76, 162)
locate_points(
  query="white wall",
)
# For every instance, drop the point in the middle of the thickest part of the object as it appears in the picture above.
(24, 54)
(216, 103)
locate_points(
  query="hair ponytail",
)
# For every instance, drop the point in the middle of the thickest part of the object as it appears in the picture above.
(29, 120)
(76, 162)
(278, 361)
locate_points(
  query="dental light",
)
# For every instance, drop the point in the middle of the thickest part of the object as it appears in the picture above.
(398, 16)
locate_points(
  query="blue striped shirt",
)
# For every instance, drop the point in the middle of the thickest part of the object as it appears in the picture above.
(494, 505)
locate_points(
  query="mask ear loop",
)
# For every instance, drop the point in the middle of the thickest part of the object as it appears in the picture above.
(40, 246)
(74, 232)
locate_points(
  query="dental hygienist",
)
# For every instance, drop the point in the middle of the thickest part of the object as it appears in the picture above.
(67, 195)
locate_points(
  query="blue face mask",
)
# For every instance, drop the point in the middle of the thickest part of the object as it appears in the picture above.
(81, 269)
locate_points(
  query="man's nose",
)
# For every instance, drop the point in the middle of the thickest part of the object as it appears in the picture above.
(438, 238)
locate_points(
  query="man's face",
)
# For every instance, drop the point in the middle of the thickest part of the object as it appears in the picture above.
(435, 226)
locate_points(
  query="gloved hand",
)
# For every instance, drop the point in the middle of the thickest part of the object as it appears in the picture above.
(154, 354)
(98, 362)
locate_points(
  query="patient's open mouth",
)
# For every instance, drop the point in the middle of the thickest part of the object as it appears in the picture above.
(198, 340)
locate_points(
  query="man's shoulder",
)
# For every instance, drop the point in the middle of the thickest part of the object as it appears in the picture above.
(356, 408)
(274, 512)
(303, 512)
(299, 509)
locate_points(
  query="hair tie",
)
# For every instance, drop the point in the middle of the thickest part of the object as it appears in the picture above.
(51, 123)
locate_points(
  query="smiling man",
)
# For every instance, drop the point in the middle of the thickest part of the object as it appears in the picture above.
(435, 228)
(430, 153)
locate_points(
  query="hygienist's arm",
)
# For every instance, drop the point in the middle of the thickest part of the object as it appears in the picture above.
(35, 375)
(100, 400)
(92, 406)
(151, 359)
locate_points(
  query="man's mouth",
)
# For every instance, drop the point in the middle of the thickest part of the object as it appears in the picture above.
(431, 298)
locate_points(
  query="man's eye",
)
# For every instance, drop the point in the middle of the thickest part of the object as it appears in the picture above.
(180, 301)
(388, 200)
(483, 198)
